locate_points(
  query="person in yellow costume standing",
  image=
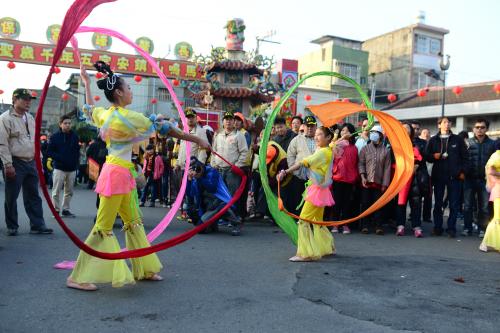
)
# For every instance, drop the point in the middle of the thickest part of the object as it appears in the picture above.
(315, 241)
(120, 128)
(491, 240)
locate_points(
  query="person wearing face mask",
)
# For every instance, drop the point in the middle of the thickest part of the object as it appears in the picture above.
(375, 171)
(448, 154)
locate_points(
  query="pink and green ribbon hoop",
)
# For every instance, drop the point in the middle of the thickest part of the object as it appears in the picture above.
(285, 222)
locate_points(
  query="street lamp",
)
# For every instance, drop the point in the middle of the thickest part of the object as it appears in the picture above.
(444, 65)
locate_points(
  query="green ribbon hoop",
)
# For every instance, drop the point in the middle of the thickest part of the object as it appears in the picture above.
(284, 221)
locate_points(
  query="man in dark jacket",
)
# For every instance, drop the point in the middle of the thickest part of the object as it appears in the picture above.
(480, 148)
(63, 153)
(448, 154)
(284, 135)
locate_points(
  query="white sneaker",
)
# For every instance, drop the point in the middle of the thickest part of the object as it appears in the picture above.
(335, 230)
(481, 234)
(466, 233)
(346, 230)
(400, 231)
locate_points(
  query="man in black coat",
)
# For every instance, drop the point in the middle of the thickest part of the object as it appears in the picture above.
(448, 154)
(479, 150)
(63, 156)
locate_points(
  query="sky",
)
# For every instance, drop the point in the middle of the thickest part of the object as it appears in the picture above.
(471, 43)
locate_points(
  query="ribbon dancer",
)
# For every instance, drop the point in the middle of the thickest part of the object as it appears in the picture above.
(119, 128)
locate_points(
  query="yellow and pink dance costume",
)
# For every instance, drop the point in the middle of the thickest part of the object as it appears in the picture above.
(491, 240)
(116, 186)
(316, 241)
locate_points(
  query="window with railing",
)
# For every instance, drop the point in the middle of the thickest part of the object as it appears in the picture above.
(164, 95)
(349, 70)
(427, 45)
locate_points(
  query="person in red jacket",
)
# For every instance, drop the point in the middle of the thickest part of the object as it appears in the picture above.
(153, 170)
(345, 175)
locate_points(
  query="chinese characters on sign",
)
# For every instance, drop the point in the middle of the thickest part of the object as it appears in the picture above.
(53, 33)
(9, 28)
(101, 42)
(146, 44)
(42, 54)
(183, 51)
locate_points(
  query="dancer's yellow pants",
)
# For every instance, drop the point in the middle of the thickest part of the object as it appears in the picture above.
(89, 269)
(314, 241)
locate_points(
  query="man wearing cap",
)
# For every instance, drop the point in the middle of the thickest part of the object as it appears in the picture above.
(239, 121)
(231, 145)
(194, 129)
(17, 151)
(375, 169)
(302, 146)
(200, 154)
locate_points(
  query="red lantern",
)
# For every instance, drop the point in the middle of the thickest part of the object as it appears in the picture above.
(99, 75)
(181, 103)
(64, 97)
(307, 97)
(1, 91)
(34, 94)
(137, 78)
(154, 101)
(57, 70)
(11, 65)
(496, 88)
(457, 90)
(421, 93)
(392, 98)
(97, 98)
(345, 100)
(175, 83)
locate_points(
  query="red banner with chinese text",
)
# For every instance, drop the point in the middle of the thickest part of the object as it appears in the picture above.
(41, 54)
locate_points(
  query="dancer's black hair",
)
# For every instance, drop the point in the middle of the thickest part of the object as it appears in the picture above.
(110, 83)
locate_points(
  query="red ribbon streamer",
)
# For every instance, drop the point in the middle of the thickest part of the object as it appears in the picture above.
(75, 15)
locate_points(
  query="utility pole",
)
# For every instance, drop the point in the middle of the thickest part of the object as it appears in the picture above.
(264, 39)
(373, 87)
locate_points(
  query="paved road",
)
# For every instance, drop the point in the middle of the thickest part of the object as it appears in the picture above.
(220, 283)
